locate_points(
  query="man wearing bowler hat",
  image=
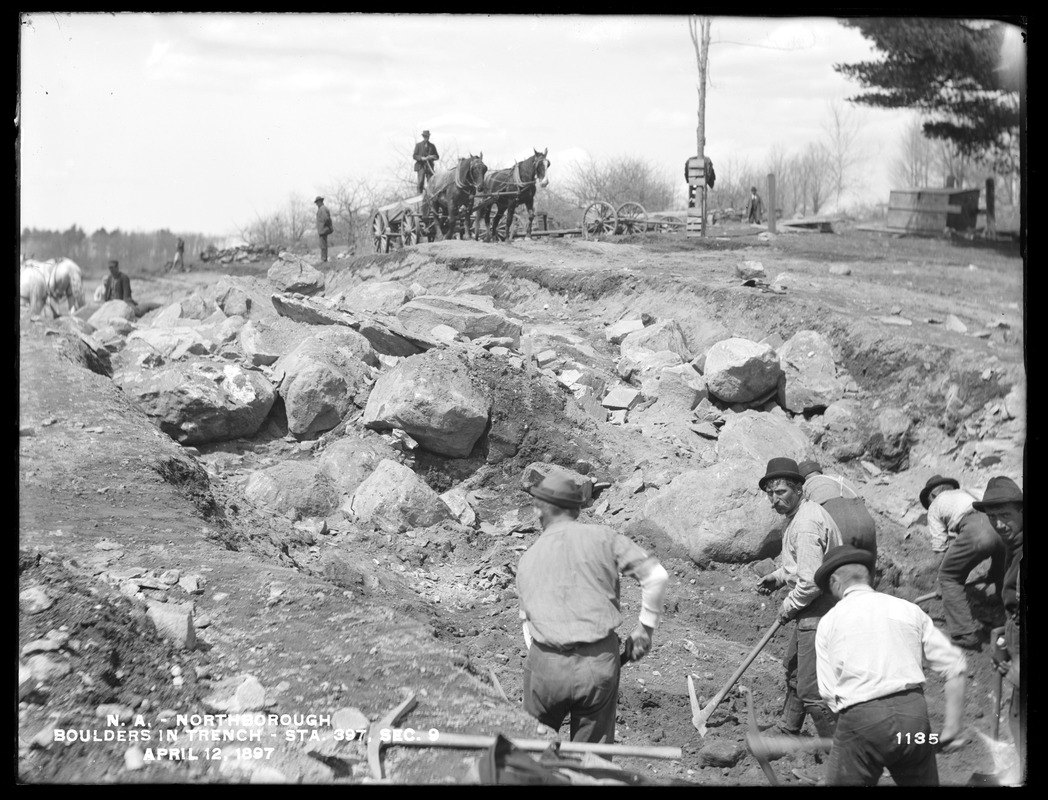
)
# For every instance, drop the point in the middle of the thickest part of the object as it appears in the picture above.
(870, 650)
(966, 538)
(425, 154)
(810, 532)
(1003, 504)
(324, 226)
(568, 584)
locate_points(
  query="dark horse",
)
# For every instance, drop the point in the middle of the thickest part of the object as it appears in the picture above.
(512, 187)
(450, 191)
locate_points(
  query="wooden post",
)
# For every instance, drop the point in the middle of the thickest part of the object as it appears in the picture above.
(991, 214)
(771, 202)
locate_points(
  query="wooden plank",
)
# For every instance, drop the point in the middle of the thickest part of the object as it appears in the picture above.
(932, 209)
(913, 220)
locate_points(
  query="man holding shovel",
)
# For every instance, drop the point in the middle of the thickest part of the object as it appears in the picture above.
(810, 533)
(871, 648)
(568, 582)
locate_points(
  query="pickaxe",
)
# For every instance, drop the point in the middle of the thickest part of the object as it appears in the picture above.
(924, 598)
(699, 716)
(764, 748)
(385, 733)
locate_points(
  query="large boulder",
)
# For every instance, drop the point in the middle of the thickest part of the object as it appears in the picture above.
(811, 373)
(472, 315)
(740, 371)
(323, 378)
(260, 344)
(291, 273)
(300, 487)
(112, 309)
(196, 402)
(639, 365)
(351, 459)
(173, 344)
(666, 334)
(889, 442)
(232, 300)
(395, 499)
(762, 436)
(377, 296)
(677, 387)
(434, 398)
(718, 513)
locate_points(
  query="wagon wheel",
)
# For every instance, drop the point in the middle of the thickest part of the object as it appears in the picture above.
(671, 225)
(599, 219)
(410, 230)
(380, 233)
(632, 218)
(500, 234)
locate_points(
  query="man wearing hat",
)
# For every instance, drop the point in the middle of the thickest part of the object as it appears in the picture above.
(1003, 504)
(568, 584)
(810, 532)
(425, 154)
(870, 652)
(842, 502)
(324, 226)
(966, 538)
(117, 285)
(755, 207)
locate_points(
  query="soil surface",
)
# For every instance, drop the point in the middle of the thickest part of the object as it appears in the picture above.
(351, 623)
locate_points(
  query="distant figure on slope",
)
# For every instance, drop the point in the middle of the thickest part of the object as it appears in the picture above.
(324, 226)
(179, 265)
(755, 207)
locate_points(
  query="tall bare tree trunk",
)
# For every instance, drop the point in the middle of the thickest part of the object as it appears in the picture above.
(699, 28)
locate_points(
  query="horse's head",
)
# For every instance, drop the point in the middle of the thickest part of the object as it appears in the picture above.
(476, 170)
(541, 165)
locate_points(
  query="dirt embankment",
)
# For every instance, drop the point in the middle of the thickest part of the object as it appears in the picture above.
(360, 618)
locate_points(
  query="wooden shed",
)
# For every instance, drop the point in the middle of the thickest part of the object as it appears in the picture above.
(930, 211)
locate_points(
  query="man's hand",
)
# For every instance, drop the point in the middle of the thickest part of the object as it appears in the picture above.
(786, 614)
(641, 637)
(768, 584)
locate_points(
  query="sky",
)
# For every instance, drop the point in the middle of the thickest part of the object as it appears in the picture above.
(202, 123)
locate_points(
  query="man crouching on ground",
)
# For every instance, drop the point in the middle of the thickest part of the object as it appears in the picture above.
(568, 583)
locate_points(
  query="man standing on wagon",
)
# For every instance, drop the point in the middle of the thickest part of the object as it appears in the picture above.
(425, 155)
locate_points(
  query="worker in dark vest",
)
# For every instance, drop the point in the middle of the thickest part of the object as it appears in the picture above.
(842, 502)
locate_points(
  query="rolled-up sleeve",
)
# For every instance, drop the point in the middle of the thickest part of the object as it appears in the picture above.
(937, 529)
(812, 543)
(651, 575)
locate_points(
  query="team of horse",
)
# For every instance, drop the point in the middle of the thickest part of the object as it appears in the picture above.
(52, 280)
(453, 195)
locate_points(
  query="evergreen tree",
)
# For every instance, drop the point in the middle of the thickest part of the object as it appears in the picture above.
(953, 71)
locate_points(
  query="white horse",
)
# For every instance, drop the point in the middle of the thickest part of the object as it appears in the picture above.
(55, 279)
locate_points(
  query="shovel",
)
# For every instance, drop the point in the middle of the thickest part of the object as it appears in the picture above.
(699, 716)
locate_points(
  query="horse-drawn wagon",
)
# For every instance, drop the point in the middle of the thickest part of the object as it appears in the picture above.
(457, 200)
(601, 218)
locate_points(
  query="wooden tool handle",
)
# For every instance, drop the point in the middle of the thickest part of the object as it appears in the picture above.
(470, 741)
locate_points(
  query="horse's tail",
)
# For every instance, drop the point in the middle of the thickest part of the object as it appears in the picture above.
(76, 287)
(34, 289)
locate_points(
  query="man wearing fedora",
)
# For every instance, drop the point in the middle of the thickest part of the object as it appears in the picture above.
(425, 154)
(870, 650)
(1003, 504)
(842, 502)
(324, 226)
(810, 532)
(568, 584)
(966, 538)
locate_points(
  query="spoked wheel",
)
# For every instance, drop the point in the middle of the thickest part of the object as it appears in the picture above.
(380, 233)
(599, 219)
(632, 218)
(671, 225)
(501, 234)
(409, 229)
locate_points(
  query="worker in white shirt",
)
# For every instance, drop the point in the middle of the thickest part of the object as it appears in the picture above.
(966, 538)
(870, 649)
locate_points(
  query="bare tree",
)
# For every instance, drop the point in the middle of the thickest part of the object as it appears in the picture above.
(699, 29)
(913, 165)
(815, 176)
(778, 164)
(843, 153)
(621, 180)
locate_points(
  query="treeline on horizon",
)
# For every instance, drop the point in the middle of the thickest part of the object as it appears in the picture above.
(138, 253)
